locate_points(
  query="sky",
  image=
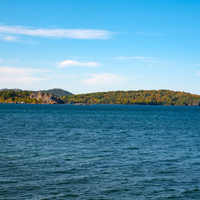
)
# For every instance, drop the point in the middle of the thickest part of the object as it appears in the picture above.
(85, 46)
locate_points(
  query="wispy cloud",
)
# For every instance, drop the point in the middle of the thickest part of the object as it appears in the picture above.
(192, 64)
(104, 79)
(70, 63)
(119, 58)
(198, 73)
(21, 71)
(8, 61)
(12, 75)
(153, 61)
(56, 33)
(133, 57)
(143, 59)
(9, 38)
(21, 80)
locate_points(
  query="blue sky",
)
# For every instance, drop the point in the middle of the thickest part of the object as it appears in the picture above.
(91, 46)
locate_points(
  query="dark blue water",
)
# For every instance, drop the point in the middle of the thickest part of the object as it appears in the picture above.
(99, 152)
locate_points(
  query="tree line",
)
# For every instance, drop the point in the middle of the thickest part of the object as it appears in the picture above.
(140, 97)
(12, 96)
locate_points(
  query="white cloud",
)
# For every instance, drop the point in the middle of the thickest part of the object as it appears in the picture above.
(70, 63)
(1, 60)
(105, 79)
(58, 33)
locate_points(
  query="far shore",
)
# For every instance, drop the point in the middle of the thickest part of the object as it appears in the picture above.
(87, 104)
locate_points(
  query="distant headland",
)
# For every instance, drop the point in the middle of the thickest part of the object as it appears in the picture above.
(43, 97)
(56, 91)
(140, 97)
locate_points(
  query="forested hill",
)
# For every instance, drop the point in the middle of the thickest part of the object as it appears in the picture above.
(11, 96)
(140, 97)
(18, 96)
(6, 89)
(58, 92)
(55, 91)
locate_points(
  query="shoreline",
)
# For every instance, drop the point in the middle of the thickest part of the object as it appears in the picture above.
(88, 104)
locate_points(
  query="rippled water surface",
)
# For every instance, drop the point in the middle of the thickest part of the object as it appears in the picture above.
(99, 152)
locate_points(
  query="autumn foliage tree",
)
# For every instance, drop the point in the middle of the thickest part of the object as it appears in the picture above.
(140, 97)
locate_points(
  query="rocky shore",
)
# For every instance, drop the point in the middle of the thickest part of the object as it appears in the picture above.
(46, 98)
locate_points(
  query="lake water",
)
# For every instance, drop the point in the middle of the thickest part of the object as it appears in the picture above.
(99, 152)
